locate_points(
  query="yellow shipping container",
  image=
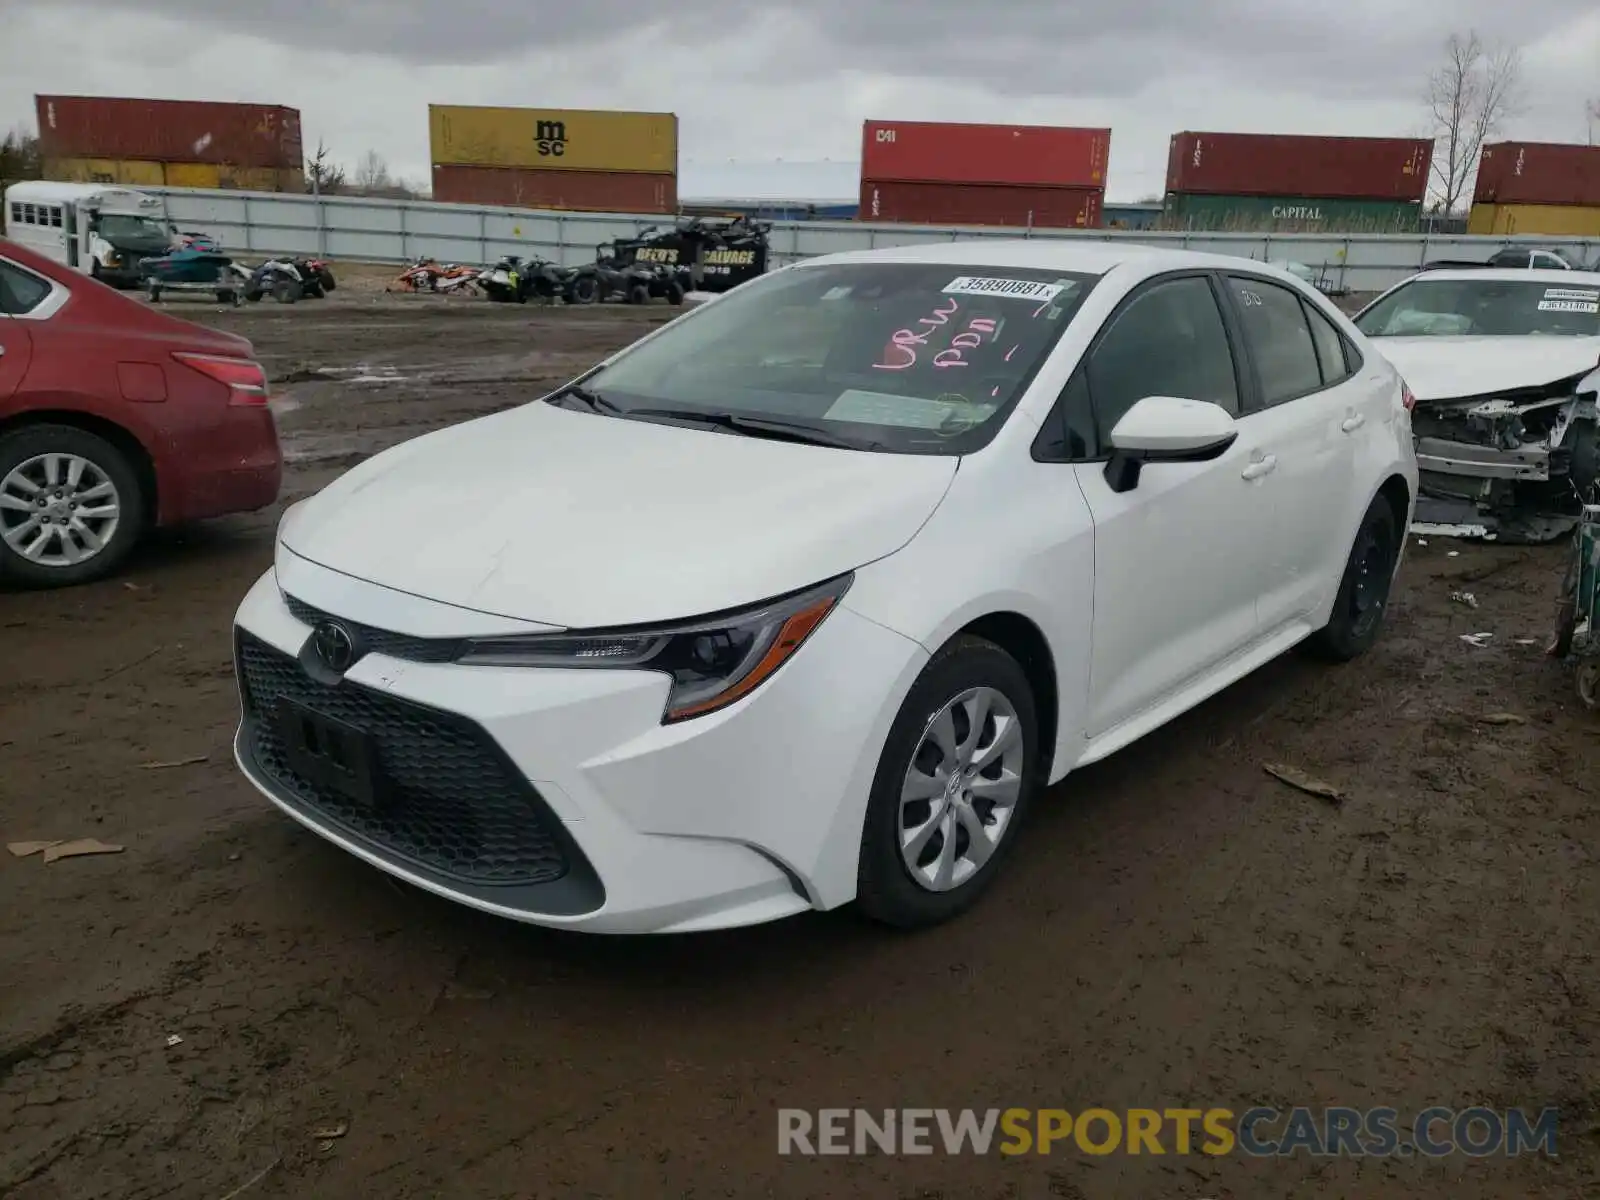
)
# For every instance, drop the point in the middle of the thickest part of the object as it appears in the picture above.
(194, 175)
(554, 139)
(128, 172)
(1564, 220)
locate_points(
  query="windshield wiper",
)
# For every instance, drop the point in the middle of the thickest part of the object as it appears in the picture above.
(762, 427)
(594, 400)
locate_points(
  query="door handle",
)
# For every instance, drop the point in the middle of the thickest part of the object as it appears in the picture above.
(1352, 423)
(1260, 467)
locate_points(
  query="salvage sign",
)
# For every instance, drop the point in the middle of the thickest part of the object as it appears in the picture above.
(1573, 300)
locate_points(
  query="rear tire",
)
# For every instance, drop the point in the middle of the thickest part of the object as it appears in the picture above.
(1363, 596)
(105, 480)
(585, 290)
(905, 887)
(325, 278)
(638, 294)
(286, 291)
(675, 293)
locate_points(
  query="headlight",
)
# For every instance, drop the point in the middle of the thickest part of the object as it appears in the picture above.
(712, 662)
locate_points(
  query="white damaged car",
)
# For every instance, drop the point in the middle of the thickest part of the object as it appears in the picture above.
(1505, 368)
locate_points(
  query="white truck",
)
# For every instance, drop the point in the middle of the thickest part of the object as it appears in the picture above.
(99, 229)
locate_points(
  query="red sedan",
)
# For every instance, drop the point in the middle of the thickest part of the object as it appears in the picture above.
(114, 418)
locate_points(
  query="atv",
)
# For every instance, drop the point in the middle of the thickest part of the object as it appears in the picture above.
(622, 275)
(288, 279)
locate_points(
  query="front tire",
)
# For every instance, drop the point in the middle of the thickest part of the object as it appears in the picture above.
(1363, 597)
(93, 510)
(957, 775)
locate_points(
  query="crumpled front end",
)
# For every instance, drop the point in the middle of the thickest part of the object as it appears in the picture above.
(1515, 467)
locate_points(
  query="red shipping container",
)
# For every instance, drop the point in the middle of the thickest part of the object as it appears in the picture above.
(1273, 164)
(980, 204)
(188, 131)
(1538, 173)
(1023, 155)
(582, 191)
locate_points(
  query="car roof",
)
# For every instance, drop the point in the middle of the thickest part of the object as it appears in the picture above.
(1551, 276)
(1083, 256)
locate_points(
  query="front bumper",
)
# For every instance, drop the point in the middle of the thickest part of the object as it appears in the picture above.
(557, 797)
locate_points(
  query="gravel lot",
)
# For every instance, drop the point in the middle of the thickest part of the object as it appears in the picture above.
(1179, 929)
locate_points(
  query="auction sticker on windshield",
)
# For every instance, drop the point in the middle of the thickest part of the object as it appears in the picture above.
(1573, 300)
(1006, 289)
(883, 408)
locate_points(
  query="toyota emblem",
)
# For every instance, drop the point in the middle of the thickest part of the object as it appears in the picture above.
(335, 646)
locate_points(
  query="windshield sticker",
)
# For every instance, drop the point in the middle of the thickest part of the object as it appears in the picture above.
(1590, 295)
(837, 293)
(908, 412)
(1570, 306)
(1003, 289)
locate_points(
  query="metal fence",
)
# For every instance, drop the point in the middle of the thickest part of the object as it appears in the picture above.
(397, 231)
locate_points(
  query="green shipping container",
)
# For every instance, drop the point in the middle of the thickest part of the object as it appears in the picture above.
(1287, 214)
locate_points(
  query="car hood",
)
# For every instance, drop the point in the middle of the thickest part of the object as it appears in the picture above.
(1450, 368)
(576, 519)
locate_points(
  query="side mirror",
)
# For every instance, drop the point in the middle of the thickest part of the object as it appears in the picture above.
(1166, 429)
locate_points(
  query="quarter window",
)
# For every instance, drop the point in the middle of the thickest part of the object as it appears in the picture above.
(1280, 339)
(20, 291)
(1168, 341)
(1330, 347)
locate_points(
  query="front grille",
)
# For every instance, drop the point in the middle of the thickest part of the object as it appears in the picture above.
(383, 641)
(447, 798)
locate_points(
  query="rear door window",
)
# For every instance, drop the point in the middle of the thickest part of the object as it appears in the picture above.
(1279, 337)
(20, 291)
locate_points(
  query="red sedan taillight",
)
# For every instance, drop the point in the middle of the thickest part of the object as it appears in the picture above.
(245, 380)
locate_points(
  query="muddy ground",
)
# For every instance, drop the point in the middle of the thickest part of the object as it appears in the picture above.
(232, 1008)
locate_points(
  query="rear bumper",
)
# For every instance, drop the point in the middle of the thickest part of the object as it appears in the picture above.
(235, 466)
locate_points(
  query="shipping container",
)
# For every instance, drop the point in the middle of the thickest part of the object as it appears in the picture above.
(1538, 173)
(209, 176)
(1289, 214)
(980, 204)
(241, 135)
(1019, 155)
(1269, 164)
(583, 191)
(128, 172)
(1561, 220)
(554, 139)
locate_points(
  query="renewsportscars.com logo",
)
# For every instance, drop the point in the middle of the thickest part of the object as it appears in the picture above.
(1258, 1132)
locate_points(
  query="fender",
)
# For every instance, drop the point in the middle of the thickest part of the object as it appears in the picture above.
(38, 407)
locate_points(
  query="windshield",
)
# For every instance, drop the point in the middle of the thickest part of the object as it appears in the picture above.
(1485, 307)
(130, 227)
(913, 358)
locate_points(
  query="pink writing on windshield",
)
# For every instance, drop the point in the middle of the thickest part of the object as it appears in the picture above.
(905, 342)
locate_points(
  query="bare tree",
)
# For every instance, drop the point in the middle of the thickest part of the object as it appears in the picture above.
(1469, 97)
(1592, 111)
(19, 156)
(324, 177)
(372, 174)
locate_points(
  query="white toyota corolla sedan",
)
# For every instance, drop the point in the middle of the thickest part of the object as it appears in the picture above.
(804, 598)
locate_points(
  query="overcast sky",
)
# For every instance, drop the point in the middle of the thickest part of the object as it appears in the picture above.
(757, 82)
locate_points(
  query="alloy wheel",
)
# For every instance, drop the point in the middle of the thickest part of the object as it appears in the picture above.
(58, 510)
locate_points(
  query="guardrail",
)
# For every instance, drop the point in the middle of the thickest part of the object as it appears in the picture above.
(397, 231)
